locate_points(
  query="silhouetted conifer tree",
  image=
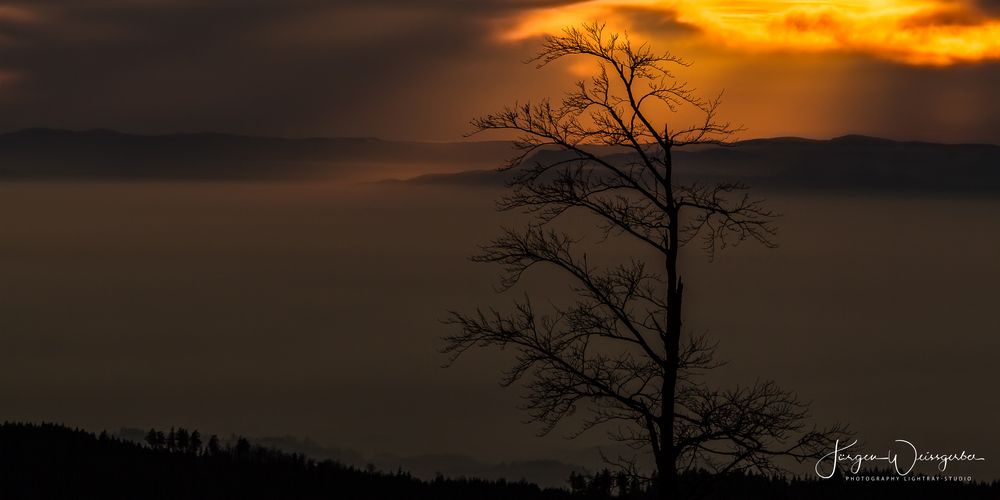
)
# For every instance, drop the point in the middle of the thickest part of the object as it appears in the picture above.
(213, 448)
(194, 445)
(183, 440)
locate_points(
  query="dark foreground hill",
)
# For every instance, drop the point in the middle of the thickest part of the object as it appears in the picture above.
(51, 461)
(55, 462)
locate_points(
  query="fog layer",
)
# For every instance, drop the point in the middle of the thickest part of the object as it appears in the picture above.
(312, 310)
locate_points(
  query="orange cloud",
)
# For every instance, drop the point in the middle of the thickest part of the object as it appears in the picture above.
(920, 32)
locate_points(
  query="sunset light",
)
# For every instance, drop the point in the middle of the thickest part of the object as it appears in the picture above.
(931, 32)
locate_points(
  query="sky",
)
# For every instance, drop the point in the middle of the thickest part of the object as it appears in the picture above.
(261, 308)
(905, 69)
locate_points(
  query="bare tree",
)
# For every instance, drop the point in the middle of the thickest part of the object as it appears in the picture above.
(619, 352)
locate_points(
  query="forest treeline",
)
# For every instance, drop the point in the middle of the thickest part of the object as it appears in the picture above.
(51, 461)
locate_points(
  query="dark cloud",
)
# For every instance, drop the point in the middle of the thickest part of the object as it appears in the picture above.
(971, 13)
(390, 68)
(656, 21)
(992, 6)
(261, 67)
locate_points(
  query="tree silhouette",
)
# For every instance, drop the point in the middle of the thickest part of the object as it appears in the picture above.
(194, 442)
(619, 351)
(213, 447)
(155, 439)
(242, 450)
(182, 439)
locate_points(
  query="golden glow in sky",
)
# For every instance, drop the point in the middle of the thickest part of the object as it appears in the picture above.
(922, 32)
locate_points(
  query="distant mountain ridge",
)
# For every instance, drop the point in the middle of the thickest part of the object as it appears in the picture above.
(850, 162)
(106, 154)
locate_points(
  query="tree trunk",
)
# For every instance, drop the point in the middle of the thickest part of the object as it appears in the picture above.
(669, 487)
(667, 466)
